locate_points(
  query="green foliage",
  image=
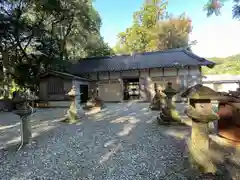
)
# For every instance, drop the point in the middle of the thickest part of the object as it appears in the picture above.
(214, 7)
(153, 29)
(229, 65)
(37, 35)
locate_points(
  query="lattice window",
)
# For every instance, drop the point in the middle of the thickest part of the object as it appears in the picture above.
(55, 86)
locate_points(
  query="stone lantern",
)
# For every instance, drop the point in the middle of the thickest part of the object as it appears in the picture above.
(24, 110)
(159, 99)
(75, 111)
(148, 87)
(169, 114)
(201, 112)
(94, 101)
(170, 92)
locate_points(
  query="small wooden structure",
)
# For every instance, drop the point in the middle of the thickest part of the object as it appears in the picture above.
(123, 77)
(229, 112)
(54, 86)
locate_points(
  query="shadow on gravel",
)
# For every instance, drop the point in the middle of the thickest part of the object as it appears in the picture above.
(118, 143)
(226, 158)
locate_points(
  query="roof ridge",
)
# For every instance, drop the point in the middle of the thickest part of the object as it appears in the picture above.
(189, 53)
(136, 53)
(50, 71)
(162, 51)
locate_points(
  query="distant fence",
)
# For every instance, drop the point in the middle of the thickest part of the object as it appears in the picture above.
(6, 105)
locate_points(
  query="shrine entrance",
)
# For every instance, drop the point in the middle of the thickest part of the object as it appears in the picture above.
(131, 89)
(84, 93)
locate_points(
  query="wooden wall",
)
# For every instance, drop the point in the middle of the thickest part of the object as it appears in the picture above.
(54, 88)
(180, 77)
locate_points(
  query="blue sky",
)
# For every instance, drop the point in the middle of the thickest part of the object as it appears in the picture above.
(216, 36)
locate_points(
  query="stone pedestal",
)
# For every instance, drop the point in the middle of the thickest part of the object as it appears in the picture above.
(201, 112)
(24, 110)
(75, 111)
(158, 101)
(24, 115)
(26, 129)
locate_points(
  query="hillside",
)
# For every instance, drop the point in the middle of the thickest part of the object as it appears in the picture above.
(228, 65)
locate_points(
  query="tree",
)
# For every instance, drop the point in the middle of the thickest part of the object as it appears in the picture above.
(37, 35)
(214, 7)
(153, 29)
(228, 65)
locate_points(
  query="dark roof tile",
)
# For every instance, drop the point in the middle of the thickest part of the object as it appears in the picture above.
(62, 74)
(168, 58)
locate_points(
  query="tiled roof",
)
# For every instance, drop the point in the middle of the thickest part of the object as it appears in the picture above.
(62, 74)
(159, 59)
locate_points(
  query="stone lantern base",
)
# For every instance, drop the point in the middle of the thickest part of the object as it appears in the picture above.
(169, 117)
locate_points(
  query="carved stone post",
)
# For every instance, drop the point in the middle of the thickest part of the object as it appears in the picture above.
(24, 110)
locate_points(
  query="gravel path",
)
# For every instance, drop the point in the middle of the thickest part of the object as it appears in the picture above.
(122, 143)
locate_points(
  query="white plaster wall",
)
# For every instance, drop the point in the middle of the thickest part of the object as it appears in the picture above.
(103, 75)
(115, 75)
(182, 71)
(93, 76)
(77, 84)
(224, 87)
(143, 73)
(156, 72)
(170, 72)
(194, 76)
(111, 91)
(131, 73)
(194, 70)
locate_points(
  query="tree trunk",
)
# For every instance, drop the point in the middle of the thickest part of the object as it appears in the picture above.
(5, 74)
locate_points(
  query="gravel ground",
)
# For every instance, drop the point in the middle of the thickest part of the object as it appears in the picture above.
(122, 143)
